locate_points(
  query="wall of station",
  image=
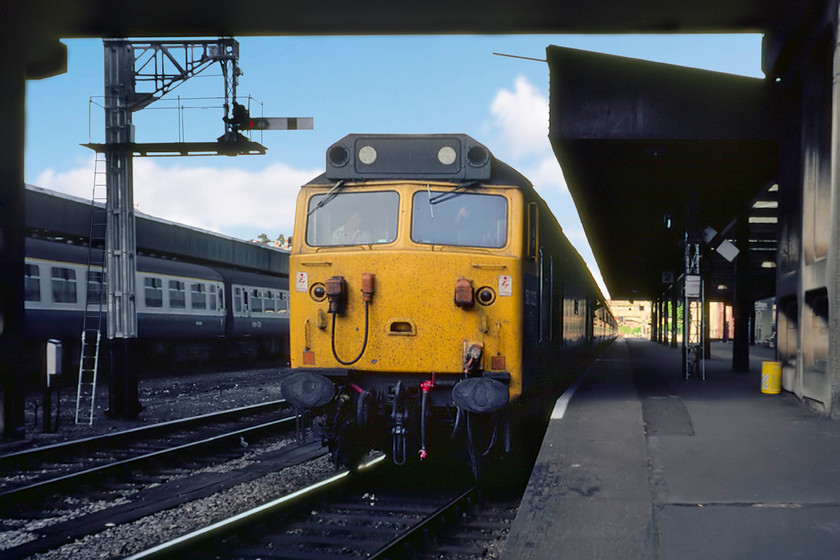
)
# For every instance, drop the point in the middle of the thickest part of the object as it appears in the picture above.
(808, 277)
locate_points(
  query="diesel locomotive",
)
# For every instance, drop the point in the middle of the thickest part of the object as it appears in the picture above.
(431, 289)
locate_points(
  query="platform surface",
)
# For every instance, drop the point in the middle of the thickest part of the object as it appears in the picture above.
(646, 464)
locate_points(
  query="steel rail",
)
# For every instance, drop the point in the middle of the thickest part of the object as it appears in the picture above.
(396, 548)
(18, 494)
(144, 431)
(174, 547)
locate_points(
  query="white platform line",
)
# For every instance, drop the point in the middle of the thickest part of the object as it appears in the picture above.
(562, 403)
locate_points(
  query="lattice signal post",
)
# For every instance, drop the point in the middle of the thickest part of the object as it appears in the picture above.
(162, 65)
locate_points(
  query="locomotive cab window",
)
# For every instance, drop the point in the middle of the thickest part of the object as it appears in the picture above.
(460, 219)
(358, 218)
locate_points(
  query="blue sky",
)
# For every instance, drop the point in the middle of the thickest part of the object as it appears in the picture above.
(406, 84)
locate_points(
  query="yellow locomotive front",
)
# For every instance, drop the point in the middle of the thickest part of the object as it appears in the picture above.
(406, 304)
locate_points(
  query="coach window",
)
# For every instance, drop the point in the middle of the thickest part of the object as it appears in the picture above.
(199, 295)
(211, 297)
(268, 300)
(95, 281)
(237, 299)
(63, 285)
(359, 218)
(256, 301)
(32, 283)
(458, 218)
(153, 292)
(177, 295)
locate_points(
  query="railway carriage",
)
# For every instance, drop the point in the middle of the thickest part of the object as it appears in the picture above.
(186, 312)
(432, 289)
(258, 315)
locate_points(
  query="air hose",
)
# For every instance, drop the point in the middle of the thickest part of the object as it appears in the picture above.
(364, 343)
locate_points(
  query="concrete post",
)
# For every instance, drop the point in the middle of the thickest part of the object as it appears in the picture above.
(743, 298)
(12, 225)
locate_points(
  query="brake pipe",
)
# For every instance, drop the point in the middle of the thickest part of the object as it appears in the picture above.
(426, 386)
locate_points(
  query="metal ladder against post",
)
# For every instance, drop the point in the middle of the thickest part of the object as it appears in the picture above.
(94, 294)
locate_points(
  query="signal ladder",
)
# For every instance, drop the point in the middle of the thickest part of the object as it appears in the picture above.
(95, 294)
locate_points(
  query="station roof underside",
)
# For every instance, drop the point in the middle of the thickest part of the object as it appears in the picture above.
(114, 18)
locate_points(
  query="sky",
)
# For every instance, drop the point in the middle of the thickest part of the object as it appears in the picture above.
(348, 84)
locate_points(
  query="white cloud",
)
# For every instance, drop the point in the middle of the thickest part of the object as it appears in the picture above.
(231, 201)
(519, 121)
(548, 176)
(520, 117)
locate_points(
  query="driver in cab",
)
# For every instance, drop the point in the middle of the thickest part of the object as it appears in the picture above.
(350, 233)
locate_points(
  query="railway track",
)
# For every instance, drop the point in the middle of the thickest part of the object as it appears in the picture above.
(139, 472)
(377, 512)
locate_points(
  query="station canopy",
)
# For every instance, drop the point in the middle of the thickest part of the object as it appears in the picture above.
(653, 151)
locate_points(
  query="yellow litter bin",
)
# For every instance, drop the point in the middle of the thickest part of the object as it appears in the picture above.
(771, 377)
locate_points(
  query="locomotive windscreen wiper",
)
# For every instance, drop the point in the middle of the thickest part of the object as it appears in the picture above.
(331, 194)
(457, 191)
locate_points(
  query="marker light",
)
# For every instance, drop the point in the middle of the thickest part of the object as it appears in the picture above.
(447, 155)
(367, 155)
(478, 156)
(486, 295)
(338, 156)
(318, 292)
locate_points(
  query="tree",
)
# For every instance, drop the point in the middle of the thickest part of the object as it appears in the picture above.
(263, 238)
